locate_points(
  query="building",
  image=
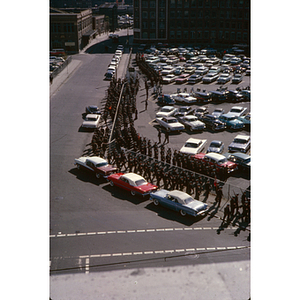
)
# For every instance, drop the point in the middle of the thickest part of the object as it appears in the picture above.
(205, 22)
(110, 11)
(71, 29)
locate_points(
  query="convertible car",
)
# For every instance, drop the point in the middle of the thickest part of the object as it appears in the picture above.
(132, 182)
(179, 201)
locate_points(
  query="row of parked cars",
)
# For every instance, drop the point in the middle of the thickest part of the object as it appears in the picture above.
(113, 66)
(55, 62)
(175, 119)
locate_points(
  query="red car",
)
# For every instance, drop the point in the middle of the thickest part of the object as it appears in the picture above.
(132, 182)
(182, 78)
(217, 160)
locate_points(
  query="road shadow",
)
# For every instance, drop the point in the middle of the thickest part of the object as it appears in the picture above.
(121, 194)
(86, 176)
(173, 215)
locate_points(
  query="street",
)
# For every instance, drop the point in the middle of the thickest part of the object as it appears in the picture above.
(95, 227)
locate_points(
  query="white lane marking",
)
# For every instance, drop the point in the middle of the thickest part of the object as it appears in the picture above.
(138, 231)
(87, 265)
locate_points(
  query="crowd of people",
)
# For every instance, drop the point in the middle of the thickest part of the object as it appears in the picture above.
(120, 143)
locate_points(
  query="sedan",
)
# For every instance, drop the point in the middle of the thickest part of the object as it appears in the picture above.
(231, 121)
(202, 70)
(166, 111)
(237, 78)
(194, 79)
(132, 182)
(193, 146)
(167, 70)
(238, 111)
(192, 123)
(169, 78)
(224, 78)
(218, 112)
(183, 78)
(241, 143)
(216, 146)
(185, 98)
(241, 159)
(91, 121)
(97, 165)
(190, 70)
(213, 122)
(183, 111)
(179, 201)
(92, 109)
(210, 77)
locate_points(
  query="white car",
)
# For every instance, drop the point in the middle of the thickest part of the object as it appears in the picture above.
(238, 111)
(241, 143)
(225, 77)
(167, 70)
(91, 121)
(193, 146)
(216, 147)
(192, 123)
(218, 112)
(184, 98)
(169, 78)
(170, 124)
(166, 111)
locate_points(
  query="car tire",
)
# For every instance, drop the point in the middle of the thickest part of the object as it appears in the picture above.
(111, 183)
(182, 212)
(78, 167)
(98, 175)
(132, 193)
(156, 202)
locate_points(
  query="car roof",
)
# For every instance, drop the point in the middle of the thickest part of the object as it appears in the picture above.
(192, 140)
(179, 194)
(241, 136)
(168, 106)
(92, 116)
(132, 176)
(96, 159)
(240, 155)
(216, 156)
(216, 141)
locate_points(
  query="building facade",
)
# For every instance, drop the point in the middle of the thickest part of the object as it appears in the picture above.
(210, 22)
(71, 29)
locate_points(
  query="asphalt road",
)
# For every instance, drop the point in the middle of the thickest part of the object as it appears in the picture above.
(95, 227)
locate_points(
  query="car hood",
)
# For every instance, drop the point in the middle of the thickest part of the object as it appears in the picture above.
(214, 149)
(147, 187)
(229, 165)
(189, 150)
(163, 114)
(160, 193)
(238, 145)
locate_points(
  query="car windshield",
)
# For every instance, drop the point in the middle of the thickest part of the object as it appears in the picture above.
(172, 121)
(218, 110)
(183, 109)
(235, 110)
(222, 161)
(91, 119)
(102, 164)
(191, 119)
(239, 141)
(191, 145)
(140, 182)
(166, 109)
(215, 144)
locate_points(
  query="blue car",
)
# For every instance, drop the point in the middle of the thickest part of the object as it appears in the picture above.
(165, 99)
(231, 121)
(179, 201)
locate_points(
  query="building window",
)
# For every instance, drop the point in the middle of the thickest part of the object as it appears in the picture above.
(152, 14)
(145, 14)
(193, 35)
(193, 3)
(232, 36)
(161, 25)
(136, 35)
(172, 14)
(179, 3)
(144, 4)
(239, 36)
(152, 35)
(152, 4)
(145, 35)
(162, 3)
(185, 34)
(178, 35)
(186, 14)
(172, 3)
(186, 3)
(245, 36)
(145, 25)
(172, 34)
(179, 14)
(152, 25)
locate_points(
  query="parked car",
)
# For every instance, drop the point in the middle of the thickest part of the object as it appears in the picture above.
(235, 96)
(213, 122)
(91, 121)
(165, 99)
(246, 120)
(166, 111)
(218, 112)
(183, 78)
(202, 97)
(190, 70)
(217, 160)
(238, 111)
(200, 112)
(184, 98)
(193, 146)
(92, 109)
(179, 201)
(214, 70)
(241, 159)
(97, 165)
(194, 79)
(224, 77)
(134, 183)
(167, 70)
(241, 143)
(210, 77)
(192, 123)
(216, 146)
(170, 124)
(231, 121)
(184, 111)
(169, 78)
(237, 78)
(201, 70)
(219, 96)
(246, 94)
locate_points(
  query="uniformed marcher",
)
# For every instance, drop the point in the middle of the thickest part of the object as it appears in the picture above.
(159, 135)
(226, 214)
